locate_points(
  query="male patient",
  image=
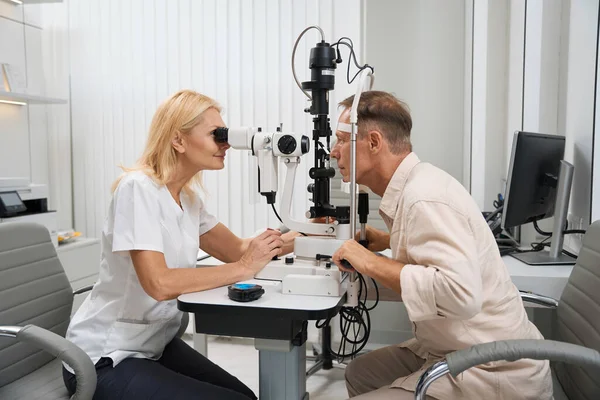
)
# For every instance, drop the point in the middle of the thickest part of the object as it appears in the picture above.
(445, 264)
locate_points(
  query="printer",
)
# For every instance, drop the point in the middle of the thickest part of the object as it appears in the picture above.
(23, 201)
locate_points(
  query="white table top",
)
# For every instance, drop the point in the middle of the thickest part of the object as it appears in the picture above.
(547, 280)
(272, 298)
(518, 268)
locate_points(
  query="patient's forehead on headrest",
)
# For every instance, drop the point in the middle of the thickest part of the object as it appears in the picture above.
(344, 127)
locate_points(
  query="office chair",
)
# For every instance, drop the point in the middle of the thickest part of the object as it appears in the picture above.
(35, 308)
(575, 356)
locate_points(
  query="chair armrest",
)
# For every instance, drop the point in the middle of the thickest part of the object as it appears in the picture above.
(545, 301)
(83, 289)
(510, 350)
(62, 349)
(185, 320)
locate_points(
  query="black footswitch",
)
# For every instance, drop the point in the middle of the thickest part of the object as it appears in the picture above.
(245, 292)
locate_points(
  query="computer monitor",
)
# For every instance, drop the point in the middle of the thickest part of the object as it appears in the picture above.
(538, 187)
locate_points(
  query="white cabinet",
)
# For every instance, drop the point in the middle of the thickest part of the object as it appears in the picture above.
(81, 262)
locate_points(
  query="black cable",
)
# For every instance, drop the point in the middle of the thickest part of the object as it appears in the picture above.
(351, 58)
(539, 246)
(355, 324)
(535, 246)
(323, 324)
(276, 214)
(569, 254)
(377, 295)
(541, 232)
(494, 213)
(574, 232)
(565, 232)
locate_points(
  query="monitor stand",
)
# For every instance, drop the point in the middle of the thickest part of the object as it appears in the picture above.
(555, 256)
(543, 258)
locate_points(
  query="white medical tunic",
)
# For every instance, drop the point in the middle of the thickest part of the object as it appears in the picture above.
(119, 319)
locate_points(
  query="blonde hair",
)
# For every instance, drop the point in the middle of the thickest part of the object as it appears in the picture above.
(178, 114)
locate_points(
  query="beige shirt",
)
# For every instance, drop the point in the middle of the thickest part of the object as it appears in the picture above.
(455, 286)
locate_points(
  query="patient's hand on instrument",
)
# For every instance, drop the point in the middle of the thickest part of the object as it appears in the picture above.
(355, 256)
(261, 250)
(378, 240)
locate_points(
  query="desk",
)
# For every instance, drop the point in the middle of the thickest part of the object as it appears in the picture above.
(278, 323)
(546, 280)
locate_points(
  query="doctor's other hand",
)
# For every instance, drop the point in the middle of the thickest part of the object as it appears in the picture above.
(261, 250)
(358, 257)
(378, 240)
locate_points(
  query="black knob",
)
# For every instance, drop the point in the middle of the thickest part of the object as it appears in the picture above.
(305, 145)
(289, 260)
(310, 188)
(287, 144)
(327, 265)
(347, 264)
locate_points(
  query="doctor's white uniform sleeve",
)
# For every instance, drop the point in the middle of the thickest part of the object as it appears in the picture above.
(137, 219)
(207, 220)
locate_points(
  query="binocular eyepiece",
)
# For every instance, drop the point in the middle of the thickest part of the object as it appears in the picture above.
(221, 135)
(281, 144)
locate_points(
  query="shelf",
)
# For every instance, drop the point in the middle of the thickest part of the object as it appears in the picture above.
(28, 98)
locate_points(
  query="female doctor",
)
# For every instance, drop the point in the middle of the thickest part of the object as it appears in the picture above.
(150, 240)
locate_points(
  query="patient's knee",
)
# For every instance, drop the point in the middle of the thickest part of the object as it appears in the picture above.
(353, 370)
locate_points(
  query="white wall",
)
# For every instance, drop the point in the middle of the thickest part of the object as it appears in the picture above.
(419, 51)
(127, 56)
(489, 99)
(425, 68)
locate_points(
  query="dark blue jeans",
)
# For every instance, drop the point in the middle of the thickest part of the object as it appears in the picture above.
(181, 373)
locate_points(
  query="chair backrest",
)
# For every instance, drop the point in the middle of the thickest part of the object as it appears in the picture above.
(33, 290)
(579, 317)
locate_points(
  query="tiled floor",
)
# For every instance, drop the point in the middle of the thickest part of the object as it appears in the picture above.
(238, 357)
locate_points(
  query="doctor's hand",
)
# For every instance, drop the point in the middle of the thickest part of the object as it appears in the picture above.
(261, 250)
(353, 252)
(378, 240)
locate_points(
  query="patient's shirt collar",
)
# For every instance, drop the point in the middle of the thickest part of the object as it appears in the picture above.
(389, 201)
